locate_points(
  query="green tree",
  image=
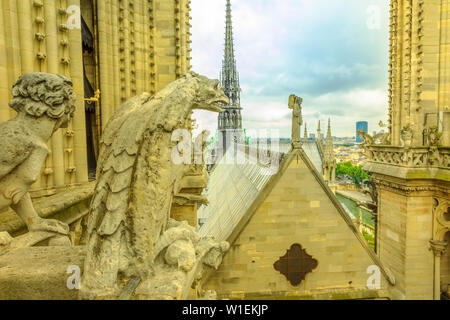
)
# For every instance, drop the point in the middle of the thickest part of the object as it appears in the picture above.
(356, 173)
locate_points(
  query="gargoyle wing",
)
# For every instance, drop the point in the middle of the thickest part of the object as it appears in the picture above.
(134, 177)
(119, 150)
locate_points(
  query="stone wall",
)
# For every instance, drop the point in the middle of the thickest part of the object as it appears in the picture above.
(419, 81)
(445, 268)
(143, 46)
(405, 228)
(413, 173)
(34, 37)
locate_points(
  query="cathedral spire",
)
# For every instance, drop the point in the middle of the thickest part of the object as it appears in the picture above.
(329, 130)
(230, 77)
(329, 152)
(230, 120)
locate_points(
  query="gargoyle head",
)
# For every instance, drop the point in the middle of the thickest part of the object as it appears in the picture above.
(362, 132)
(209, 95)
(40, 94)
(406, 131)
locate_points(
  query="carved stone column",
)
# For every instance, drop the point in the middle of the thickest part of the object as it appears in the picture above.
(439, 248)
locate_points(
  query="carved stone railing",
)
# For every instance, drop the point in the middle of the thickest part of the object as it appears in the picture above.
(414, 157)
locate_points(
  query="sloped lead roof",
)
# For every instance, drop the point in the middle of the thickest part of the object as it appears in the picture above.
(233, 188)
(313, 154)
(231, 191)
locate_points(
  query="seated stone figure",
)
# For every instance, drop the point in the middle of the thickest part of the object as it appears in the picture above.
(44, 103)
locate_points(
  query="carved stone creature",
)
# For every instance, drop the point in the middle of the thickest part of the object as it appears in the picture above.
(382, 138)
(432, 136)
(137, 181)
(180, 262)
(295, 103)
(44, 103)
(367, 138)
(406, 135)
(179, 240)
(181, 256)
(367, 141)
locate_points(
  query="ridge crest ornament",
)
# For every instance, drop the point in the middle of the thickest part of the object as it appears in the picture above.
(295, 103)
(296, 264)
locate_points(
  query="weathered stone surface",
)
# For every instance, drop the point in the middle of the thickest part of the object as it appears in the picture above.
(151, 58)
(44, 103)
(411, 169)
(129, 224)
(39, 273)
(186, 256)
(5, 241)
(69, 207)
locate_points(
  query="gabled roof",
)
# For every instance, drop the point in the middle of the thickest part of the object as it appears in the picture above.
(236, 191)
(313, 153)
(231, 191)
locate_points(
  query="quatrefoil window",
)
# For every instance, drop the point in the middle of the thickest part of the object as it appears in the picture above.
(296, 264)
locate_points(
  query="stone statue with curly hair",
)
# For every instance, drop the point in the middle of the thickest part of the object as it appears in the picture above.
(44, 103)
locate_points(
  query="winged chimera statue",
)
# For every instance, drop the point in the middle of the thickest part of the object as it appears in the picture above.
(129, 221)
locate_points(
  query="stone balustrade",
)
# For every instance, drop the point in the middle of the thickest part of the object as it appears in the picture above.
(416, 157)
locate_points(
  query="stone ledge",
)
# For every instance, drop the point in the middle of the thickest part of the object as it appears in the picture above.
(51, 207)
(39, 273)
(407, 173)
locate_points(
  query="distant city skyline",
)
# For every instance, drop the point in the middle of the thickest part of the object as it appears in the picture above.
(284, 47)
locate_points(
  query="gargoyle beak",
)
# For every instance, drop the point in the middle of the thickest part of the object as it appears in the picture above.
(214, 104)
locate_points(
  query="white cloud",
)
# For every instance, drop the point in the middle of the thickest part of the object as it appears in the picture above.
(346, 108)
(321, 50)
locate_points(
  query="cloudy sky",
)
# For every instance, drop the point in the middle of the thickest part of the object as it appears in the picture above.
(332, 53)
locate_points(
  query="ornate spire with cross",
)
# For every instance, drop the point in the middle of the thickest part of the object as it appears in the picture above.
(229, 80)
(230, 121)
(229, 75)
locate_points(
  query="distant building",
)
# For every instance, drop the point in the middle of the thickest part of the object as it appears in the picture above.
(361, 125)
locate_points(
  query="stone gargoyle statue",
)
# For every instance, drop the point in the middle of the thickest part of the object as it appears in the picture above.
(366, 138)
(406, 135)
(134, 249)
(44, 103)
(295, 103)
(367, 141)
